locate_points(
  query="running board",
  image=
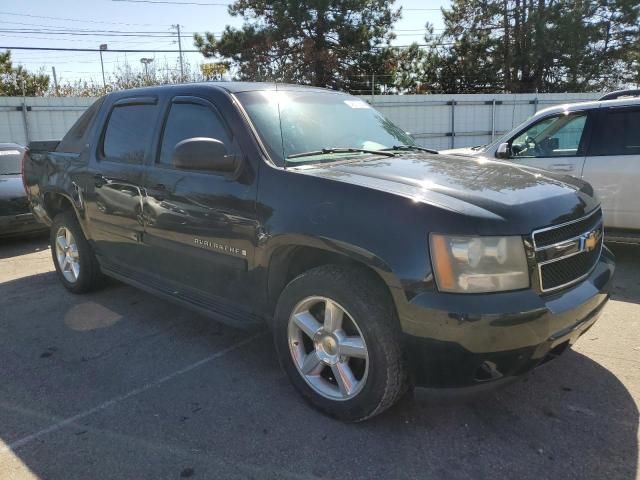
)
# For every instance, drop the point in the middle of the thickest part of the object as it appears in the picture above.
(613, 235)
(218, 310)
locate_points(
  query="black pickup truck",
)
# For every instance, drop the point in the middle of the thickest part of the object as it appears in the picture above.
(377, 264)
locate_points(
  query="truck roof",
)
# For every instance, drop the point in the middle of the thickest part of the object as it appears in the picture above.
(232, 87)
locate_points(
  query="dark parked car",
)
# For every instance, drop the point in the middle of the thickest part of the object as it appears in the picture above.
(376, 263)
(15, 216)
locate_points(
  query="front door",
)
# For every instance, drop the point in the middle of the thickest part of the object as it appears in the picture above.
(200, 226)
(555, 143)
(613, 166)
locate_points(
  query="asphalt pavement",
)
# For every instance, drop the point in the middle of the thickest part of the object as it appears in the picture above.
(120, 384)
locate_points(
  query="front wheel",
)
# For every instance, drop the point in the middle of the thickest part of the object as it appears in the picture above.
(337, 338)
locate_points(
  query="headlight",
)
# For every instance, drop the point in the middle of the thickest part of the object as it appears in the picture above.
(478, 264)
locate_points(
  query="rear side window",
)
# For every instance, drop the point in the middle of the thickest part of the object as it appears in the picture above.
(76, 138)
(188, 120)
(128, 134)
(618, 134)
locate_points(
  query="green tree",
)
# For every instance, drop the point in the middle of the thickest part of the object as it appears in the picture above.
(535, 45)
(14, 81)
(329, 43)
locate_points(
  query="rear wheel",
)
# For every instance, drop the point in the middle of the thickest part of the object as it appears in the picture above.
(73, 257)
(337, 339)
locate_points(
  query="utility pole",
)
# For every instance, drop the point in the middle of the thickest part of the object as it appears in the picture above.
(24, 113)
(103, 47)
(177, 27)
(55, 79)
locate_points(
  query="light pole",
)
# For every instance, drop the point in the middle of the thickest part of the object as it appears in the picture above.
(145, 62)
(103, 47)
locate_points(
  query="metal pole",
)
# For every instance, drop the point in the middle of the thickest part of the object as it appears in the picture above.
(180, 50)
(373, 87)
(453, 123)
(55, 79)
(493, 119)
(24, 114)
(104, 81)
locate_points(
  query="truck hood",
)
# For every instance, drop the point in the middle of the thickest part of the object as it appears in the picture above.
(501, 191)
(13, 199)
(11, 187)
(465, 152)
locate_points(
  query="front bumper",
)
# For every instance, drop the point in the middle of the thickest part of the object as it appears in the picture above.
(455, 340)
(23, 224)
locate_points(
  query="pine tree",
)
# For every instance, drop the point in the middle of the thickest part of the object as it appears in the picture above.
(329, 43)
(536, 45)
(16, 81)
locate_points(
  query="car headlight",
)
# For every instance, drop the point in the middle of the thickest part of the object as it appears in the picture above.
(465, 264)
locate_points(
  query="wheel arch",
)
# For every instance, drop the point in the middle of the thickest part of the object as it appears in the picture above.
(286, 262)
(55, 202)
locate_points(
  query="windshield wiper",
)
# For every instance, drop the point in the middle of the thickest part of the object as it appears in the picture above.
(411, 147)
(326, 151)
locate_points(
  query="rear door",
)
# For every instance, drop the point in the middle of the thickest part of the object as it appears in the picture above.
(613, 165)
(114, 196)
(200, 226)
(557, 143)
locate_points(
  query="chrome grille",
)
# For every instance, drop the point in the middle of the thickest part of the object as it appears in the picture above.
(567, 253)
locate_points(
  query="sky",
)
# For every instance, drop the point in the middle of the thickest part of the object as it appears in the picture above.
(22, 23)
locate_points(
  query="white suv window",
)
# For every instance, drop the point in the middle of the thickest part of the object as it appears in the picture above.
(557, 136)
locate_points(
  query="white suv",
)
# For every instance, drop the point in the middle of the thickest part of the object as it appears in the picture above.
(596, 141)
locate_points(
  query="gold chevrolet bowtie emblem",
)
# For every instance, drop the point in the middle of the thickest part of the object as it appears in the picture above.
(591, 242)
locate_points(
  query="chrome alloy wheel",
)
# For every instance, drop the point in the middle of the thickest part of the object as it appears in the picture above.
(328, 348)
(67, 254)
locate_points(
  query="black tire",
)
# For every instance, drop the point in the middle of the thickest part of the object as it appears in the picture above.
(371, 307)
(90, 276)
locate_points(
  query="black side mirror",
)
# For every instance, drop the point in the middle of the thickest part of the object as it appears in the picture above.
(503, 151)
(206, 154)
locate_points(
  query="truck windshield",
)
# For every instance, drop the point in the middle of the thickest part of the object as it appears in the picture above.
(10, 161)
(291, 122)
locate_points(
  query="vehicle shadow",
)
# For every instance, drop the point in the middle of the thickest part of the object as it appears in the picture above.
(16, 246)
(626, 287)
(572, 418)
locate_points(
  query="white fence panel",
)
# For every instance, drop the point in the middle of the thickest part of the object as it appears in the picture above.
(437, 121)
(45, 118)
(451, 121)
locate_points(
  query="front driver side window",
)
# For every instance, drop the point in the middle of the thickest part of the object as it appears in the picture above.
(188, 120)
(558, 136)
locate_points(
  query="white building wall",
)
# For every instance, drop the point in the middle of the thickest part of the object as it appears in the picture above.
(433, 119)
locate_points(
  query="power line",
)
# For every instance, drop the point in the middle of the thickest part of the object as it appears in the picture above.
(119, 50)
(75, 19)
(216, 4)
(167, 2)
(130, 50)
(84, 34)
